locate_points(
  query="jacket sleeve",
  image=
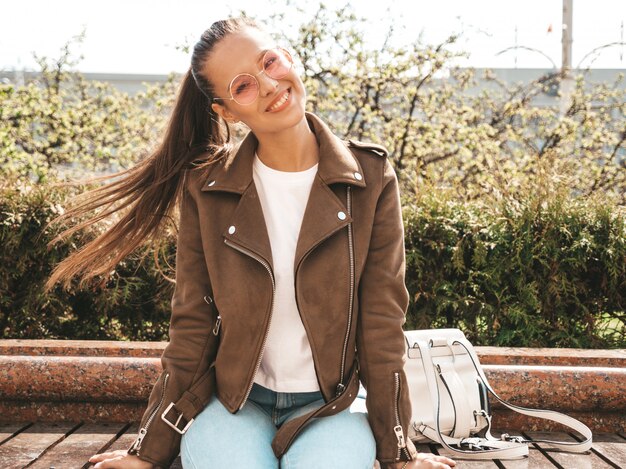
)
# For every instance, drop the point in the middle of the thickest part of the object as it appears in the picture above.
(380, 342)
(192, 345)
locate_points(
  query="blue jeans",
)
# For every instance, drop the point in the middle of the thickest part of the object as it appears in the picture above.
(218, 439)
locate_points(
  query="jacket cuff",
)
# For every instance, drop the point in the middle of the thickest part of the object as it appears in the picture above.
(408, 455)
(158, 464)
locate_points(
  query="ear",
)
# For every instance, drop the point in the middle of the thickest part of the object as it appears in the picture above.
(224, 113)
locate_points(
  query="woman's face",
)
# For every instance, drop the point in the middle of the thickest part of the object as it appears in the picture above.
(242, 52)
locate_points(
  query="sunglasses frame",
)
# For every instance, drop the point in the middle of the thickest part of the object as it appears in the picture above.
(232, 98)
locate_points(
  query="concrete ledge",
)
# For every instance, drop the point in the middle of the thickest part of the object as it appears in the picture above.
(108, 381)
(487, 355)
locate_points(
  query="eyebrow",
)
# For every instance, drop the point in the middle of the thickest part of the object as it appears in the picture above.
(260, 56)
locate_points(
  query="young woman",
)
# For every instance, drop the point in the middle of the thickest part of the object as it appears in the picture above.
(289, 276)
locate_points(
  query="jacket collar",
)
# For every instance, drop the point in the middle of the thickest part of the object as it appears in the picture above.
(325, 212)
(336, 162)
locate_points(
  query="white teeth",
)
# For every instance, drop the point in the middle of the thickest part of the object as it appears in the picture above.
(280, 102)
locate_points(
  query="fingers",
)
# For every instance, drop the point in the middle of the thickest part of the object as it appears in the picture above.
(445, 460)
(432, 464)
(109, 463)
(109, 454)
(433, 461)
(435, 457)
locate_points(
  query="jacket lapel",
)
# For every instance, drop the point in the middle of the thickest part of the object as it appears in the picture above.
(325, 213)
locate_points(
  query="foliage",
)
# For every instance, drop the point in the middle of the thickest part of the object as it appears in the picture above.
(514, 213)
(132, 303)
(441, 127)
(62, 124)
(532, 271)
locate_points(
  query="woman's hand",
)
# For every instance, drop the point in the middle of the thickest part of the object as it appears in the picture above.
(119, 459)
(425, 461)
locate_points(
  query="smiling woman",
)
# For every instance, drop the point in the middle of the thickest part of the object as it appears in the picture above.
(290, 269)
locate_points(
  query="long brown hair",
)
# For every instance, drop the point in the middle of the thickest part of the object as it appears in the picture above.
(151, 189)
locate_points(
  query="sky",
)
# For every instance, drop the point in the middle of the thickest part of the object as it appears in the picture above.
(140, 36)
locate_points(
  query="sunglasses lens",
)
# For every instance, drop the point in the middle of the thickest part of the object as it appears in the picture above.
(277, 63)
(244, 88)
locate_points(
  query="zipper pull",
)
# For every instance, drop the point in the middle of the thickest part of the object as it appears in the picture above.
(137, 444)
(340, 389)
(400, 436)
(218, 323)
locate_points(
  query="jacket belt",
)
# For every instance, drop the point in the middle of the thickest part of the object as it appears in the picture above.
(191, 402)
(290, 429)
(198, 396)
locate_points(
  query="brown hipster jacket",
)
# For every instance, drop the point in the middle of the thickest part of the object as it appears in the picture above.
(349, 272)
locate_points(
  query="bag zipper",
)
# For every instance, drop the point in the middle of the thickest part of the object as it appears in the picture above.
(134, 449)
(398, 428)
(269, 270)
(341, 387)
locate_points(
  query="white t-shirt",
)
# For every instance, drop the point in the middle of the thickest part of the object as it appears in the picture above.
(287, 362)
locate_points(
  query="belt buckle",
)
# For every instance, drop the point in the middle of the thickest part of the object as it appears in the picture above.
(175, 425)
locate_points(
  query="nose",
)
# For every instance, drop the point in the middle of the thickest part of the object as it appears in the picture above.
(267, 84)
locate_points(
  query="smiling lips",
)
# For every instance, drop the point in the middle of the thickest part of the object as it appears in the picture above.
(282, 100)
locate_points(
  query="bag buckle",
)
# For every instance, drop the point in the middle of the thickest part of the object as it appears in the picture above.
(472, 442)
(516, 439)
(419, 427)
(175, 425)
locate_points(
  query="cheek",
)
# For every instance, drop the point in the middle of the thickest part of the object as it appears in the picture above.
(296, 79)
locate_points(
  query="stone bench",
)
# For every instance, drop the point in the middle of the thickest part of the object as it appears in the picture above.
(70, 399)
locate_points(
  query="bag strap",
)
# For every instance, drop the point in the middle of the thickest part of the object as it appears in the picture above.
(500, 449)
(459, 398)
(540, 413)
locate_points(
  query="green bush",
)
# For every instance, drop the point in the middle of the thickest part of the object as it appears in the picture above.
(516, 273)
(530, 272)
(131, 304)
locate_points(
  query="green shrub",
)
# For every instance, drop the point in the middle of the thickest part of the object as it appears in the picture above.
(515, 273)
(131, 304)
(529, 272)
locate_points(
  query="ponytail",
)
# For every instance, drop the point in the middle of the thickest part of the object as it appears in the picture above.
(149, 191)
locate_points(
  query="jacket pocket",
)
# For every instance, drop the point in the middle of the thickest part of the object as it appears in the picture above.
(134, 449)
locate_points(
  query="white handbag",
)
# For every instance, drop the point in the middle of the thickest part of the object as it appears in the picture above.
(448, 390)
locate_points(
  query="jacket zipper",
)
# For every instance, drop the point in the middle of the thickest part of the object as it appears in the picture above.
(398, 428)
(134, 449)
(341, 387)
(218, 321)
(269, 270)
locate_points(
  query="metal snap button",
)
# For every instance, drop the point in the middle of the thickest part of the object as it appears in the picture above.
(212, 182)
(341, 215)
(231, 229)
(358, 176)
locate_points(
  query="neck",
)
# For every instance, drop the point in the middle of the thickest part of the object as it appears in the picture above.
(292, 149)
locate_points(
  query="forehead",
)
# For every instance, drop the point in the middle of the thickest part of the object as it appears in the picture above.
(236, 53)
